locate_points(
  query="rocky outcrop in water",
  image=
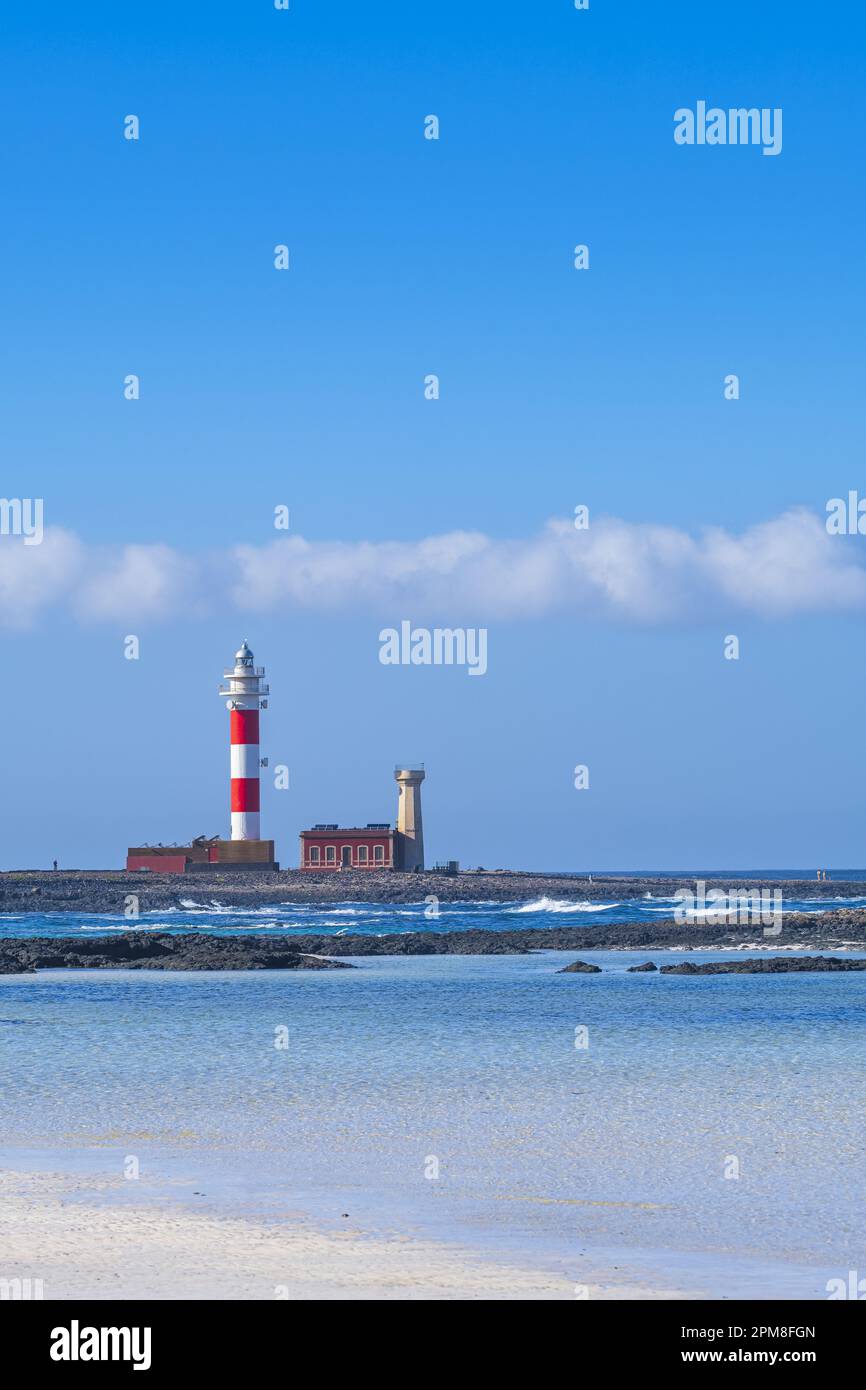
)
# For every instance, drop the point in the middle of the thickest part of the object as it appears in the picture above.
(157, 952)
(636, 969)
(778, 965)
(201, 950)
(204, 951)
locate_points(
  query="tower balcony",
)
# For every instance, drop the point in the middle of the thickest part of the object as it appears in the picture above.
(243, 685)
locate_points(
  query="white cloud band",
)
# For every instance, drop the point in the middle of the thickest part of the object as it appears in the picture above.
(614, 570)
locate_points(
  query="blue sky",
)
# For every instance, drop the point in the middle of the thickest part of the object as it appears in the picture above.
(558, 387)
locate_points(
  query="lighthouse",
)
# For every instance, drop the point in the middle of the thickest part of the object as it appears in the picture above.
(245, 694)
(410, 831)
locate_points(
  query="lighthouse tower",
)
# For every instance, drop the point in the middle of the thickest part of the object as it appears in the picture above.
(410, 831)
(245, 692)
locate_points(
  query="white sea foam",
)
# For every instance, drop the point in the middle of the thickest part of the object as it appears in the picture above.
(102, 927)
(350, 911)
(839, 899)
(561, 905)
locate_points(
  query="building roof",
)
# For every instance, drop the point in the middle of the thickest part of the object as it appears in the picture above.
(372, 829)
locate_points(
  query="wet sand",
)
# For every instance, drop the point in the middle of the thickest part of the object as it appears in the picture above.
(64, 1230)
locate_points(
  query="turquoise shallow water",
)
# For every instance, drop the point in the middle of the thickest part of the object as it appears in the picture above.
(468, 1066)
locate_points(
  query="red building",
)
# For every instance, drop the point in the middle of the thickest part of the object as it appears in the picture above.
(332, 847)
(203, 854)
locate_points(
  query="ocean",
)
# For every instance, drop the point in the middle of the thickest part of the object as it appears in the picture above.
(199, 912)
(707, 1137)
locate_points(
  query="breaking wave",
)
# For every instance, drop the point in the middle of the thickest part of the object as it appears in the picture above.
(561, 905)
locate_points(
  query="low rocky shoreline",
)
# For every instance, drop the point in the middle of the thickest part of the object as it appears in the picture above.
(784, 965)
(205, 951)
(104, 893)
(778, 965)
(157, 952)
(89, 890)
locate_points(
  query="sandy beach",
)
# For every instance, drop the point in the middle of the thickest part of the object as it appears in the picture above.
(59, 1228)
(441, 1126)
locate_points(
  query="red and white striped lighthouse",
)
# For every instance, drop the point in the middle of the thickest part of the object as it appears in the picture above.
(245, 693)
